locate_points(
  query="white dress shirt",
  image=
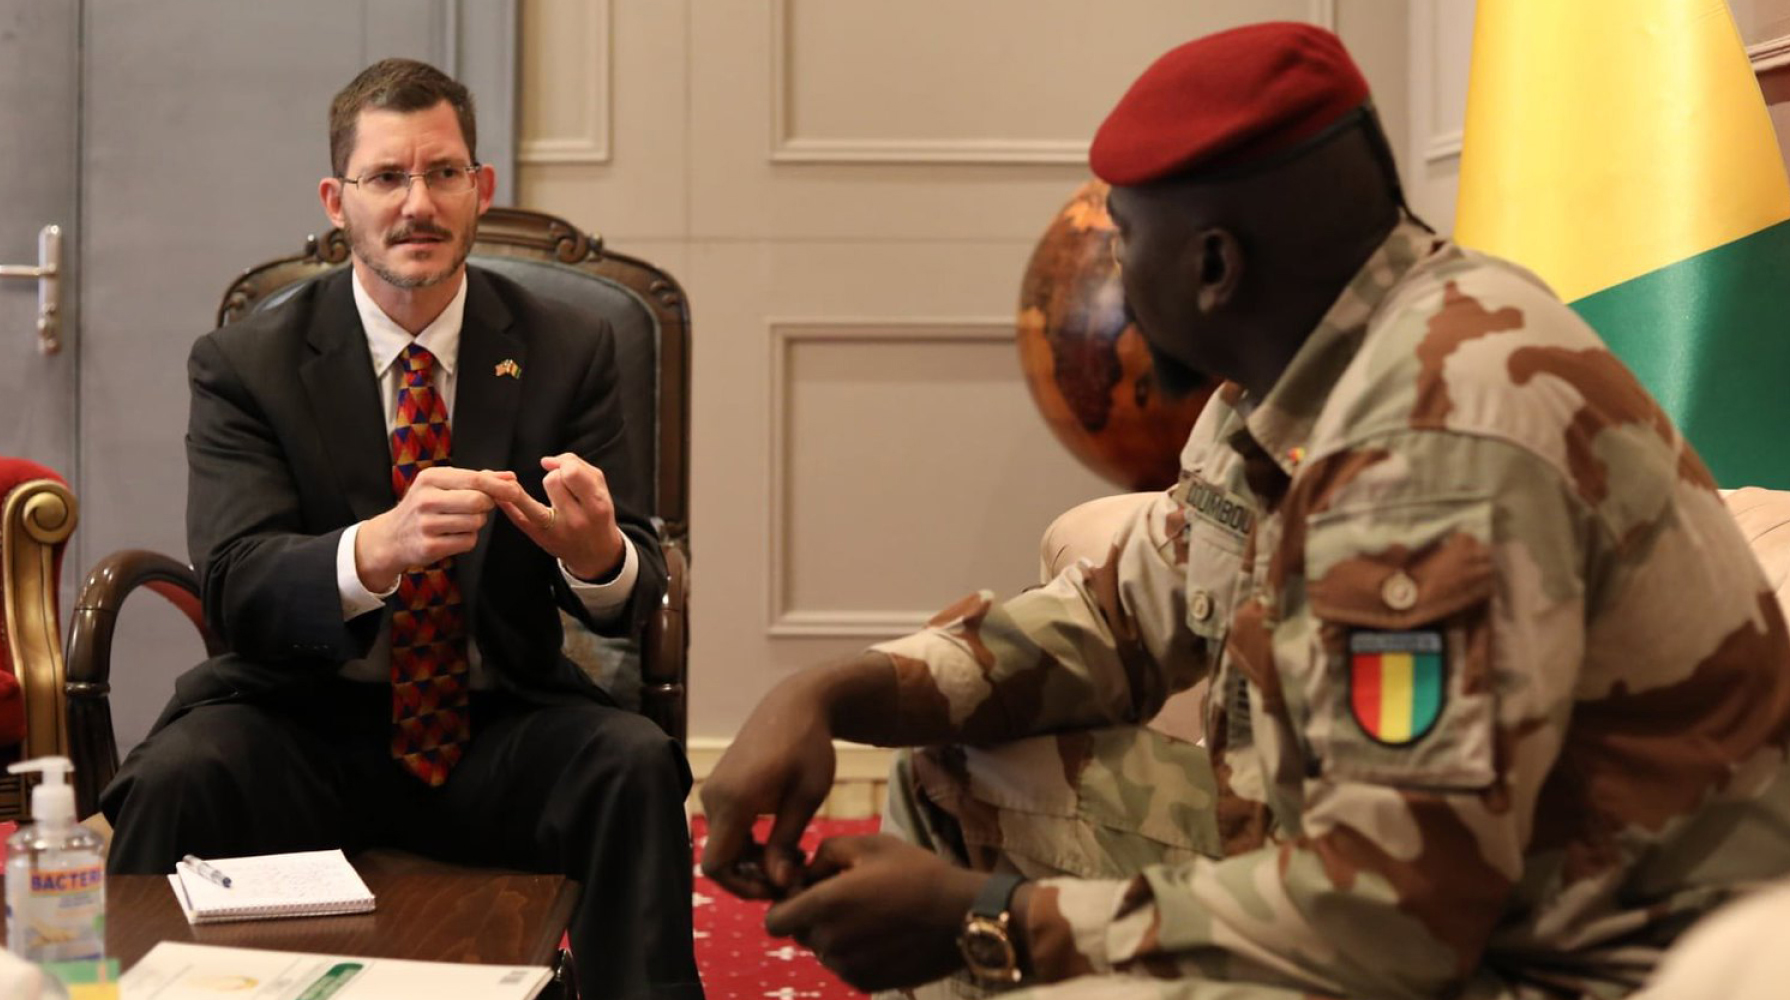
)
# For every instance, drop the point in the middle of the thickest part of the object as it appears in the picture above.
(386, 340)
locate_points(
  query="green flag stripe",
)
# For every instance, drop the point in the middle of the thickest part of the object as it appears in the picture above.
(1426, 692)
(1709, 337)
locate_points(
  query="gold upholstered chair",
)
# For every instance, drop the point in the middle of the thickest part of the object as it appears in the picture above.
(37, 515)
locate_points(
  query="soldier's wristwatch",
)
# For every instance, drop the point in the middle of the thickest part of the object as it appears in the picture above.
(986, 940)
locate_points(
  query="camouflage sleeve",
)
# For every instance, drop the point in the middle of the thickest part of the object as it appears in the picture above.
(1404, 811)
(1097, 645)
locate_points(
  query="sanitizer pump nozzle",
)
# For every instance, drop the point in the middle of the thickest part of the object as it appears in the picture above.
(53, 800)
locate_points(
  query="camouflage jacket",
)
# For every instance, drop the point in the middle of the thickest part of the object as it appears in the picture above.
(1499, 688)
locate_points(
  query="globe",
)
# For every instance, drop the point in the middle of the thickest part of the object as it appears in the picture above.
(1086, 364)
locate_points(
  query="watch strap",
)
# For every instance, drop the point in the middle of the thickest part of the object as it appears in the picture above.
(993, 898)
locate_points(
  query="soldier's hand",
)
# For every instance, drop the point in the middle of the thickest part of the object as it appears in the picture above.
(578, 526)
(440, 516)
(879, 912)
(781, 764)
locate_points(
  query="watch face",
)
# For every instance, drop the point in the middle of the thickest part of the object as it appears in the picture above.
(987, 950)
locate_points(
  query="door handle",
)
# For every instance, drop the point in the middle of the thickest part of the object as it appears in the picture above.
(48, 275)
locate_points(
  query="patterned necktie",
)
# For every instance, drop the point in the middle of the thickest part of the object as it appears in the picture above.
(430, 720)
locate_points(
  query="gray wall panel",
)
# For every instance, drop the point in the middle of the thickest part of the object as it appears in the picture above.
(414, 29)
(39, 69)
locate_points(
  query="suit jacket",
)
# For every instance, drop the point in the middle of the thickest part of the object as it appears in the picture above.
(287, 445)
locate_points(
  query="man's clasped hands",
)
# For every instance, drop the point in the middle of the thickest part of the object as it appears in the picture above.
(445, 508)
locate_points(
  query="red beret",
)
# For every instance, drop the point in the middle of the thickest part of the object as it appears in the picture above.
(1226, 99)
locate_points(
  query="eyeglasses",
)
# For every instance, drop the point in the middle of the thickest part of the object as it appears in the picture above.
(445, 179)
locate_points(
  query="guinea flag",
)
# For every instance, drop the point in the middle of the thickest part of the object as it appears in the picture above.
(1396, 680)
(1621, 150)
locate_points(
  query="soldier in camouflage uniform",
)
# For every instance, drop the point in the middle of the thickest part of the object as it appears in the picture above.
(1501, 698)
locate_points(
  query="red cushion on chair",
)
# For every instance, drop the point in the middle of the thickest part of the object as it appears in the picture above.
(12, 705)
(13, 472)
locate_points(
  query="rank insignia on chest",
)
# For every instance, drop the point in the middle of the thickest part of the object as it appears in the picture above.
(1396, 683)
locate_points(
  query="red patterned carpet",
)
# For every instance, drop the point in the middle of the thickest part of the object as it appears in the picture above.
(739, 961)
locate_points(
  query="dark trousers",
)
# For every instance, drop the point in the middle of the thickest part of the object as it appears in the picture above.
(586, 790)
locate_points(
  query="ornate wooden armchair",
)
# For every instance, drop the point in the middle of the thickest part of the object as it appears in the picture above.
(553, 259)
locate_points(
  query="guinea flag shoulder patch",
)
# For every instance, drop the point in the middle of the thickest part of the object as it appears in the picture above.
(1396, 683)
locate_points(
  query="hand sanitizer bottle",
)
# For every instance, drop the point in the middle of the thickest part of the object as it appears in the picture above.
(55, 875)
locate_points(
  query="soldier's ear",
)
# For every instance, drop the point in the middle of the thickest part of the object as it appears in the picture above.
(1218, 266)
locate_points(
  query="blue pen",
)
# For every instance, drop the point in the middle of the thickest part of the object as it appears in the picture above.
(206, 871)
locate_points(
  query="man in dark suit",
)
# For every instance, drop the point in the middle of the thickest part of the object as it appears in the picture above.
(396, 480)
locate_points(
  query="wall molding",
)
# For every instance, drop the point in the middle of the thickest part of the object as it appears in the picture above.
(1773, 53)
(788, 147)
(786, 335)
(1441, 142)
(1323, 14)
(937, 152)
(595, 79)
(1435, 141)
(1442, 146)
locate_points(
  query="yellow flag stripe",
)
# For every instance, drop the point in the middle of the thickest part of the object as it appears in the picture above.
(1606, 139)
(1395, 697)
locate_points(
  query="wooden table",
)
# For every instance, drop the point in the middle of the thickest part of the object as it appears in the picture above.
(424, 913)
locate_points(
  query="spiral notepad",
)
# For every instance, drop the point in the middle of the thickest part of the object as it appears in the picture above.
(266, 886)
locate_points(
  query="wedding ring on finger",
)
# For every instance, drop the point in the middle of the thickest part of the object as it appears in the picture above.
(552, 516)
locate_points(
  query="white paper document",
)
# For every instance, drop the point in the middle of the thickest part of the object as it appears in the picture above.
(175, 971)
(310, 883)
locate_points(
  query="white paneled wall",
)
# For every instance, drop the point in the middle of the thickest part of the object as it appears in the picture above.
(849, 191)
(1762, 20)
(1441, 40)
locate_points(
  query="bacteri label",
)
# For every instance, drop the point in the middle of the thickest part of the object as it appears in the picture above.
(57, 914)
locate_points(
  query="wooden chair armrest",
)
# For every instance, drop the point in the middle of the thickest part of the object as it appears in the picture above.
(92, 745)
(665, 649)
